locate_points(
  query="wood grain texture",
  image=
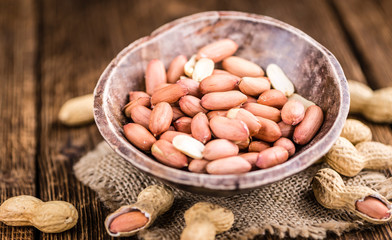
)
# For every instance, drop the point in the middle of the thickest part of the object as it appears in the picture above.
(370, 29)
(79, 38)
(315, 18)
(17, 106)
(75, 48)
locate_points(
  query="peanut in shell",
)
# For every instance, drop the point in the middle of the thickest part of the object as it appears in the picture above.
(331, 192)
(356, 132)
(349, 160)
(153, 201)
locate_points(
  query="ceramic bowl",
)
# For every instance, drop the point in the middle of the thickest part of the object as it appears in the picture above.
(315, 72)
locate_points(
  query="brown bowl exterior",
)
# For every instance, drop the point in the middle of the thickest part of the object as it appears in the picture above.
(314, 71)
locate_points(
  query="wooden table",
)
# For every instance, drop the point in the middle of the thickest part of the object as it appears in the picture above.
(51, 51)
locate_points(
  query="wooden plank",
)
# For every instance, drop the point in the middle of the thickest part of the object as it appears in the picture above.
(386, 6)
(80, 38)
(17, 106)
(371, 31)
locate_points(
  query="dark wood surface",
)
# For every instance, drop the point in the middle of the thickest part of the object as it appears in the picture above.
(51, 51)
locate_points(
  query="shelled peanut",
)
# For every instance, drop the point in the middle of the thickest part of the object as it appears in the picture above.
(208, 120)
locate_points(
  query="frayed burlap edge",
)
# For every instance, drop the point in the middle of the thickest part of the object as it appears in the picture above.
(315, 232)
(96, 171)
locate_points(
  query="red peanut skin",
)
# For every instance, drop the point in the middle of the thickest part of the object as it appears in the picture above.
(250, 99)
(169, 94)
(287, 144)
(177, 113)
(249, 119)
(229, 165)
(190, 105)
(223, 100)
(243, 144)
(231, 129)
(133, 95)
(220, 148)
(192, 86)
(219, 83)
(139, 136)
(264, 111)
(176, 68)
(168, 154)
(141, 115)
(293, 112)
(144, 101)
(254, 87)
(157, 88)
(269, 131)
(169, 135)
(258, 146)
(160, 118)
(220, 71)
(128, 222)
(271, 157)
(183, 124)
(305, 131)
(242, 67)
(212, 114)
(198, 165)
(251, 157)
(155, 75)
(272, 98)
(286, 129)
(200, 127)
(218, 50)
(373, 208)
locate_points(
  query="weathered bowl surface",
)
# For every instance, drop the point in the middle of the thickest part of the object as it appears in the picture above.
(314, 71)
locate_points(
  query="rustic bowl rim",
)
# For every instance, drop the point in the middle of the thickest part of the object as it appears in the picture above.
(250, 180)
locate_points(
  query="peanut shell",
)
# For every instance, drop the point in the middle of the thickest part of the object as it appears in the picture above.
(77, 111)
(48, 217)
(356, 132)
(152, 201)
(331, 192)
(204, 220)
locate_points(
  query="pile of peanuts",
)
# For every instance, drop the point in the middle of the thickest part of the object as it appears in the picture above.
(219, 121)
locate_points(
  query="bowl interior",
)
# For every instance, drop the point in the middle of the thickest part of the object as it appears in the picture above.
(314, 71)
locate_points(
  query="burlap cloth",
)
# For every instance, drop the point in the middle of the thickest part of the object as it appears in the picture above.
(285, 208)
